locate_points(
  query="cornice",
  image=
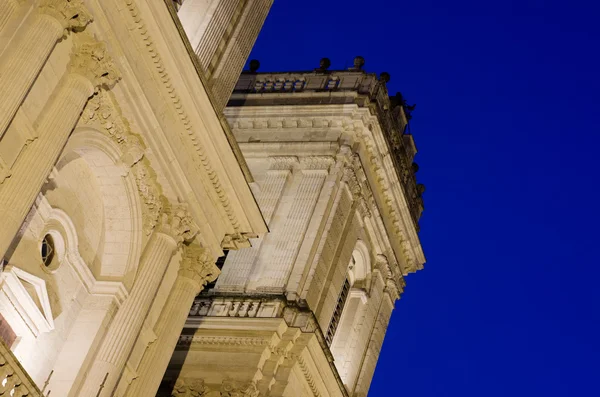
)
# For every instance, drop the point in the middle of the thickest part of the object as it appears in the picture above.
(179, 108)
(353, 121)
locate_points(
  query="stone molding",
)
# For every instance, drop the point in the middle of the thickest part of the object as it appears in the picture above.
(194, 387)
(283, 163)
(137, 21)
(188, 340)
(358, 123)
(71, 14)
(316, 163)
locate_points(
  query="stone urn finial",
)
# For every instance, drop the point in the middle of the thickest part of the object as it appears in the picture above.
(324, 64)
(254, 65)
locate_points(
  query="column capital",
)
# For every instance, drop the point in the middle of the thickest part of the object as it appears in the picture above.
(90, 59)
(198, 265)
(176, 222)
(71, 14)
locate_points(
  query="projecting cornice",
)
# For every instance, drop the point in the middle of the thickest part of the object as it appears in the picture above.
(185, 134)
(348, 124)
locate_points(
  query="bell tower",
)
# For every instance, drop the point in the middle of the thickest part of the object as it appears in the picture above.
(304, 311)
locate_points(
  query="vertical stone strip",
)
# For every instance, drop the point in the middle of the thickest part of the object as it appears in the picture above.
(90, 67)
(290, 237)
(197, 269)
(7, 8)
(380, 324)
(175, 227)
(230, 65)
(215, 30)
(25, 58)
(239, 263)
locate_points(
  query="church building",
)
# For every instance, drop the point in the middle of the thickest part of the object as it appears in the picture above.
(171, 225)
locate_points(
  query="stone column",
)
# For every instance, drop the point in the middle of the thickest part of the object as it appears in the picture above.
(197, 269)
(90, 67)
(176, 226)
(23, 61)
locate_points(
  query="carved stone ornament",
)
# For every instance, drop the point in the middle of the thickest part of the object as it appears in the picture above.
(177, 222)
(316, 162)
(71, 14)
(230, 388)
(283, 162)
(237, 241)
(189, 388)
(352, 181)
(198, 265)
(150, 194)
(91, 60)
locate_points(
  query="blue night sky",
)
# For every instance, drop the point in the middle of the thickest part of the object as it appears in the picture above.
(507, 126)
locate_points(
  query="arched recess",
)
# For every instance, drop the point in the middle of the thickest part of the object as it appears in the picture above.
(345, 345)
(101, 198)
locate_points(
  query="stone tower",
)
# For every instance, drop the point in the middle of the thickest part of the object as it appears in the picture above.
(222, 33)
(305, 310)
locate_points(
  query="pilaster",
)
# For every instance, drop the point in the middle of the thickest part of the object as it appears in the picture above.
(197, 268)
(90, 68)
(175, 227)
(22, 62)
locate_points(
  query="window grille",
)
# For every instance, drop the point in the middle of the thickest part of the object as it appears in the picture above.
(47, 250)
(337, 313)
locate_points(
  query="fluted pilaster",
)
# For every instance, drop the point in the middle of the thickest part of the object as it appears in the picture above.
(240, 263)
(175, 227)
(279, 265)
(90, 67)
(25, 58)
(7, 9)
(197, 269)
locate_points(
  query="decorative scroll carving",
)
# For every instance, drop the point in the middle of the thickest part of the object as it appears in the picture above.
(71, 14)
(177, 222)
(91, 60)
(198, 265)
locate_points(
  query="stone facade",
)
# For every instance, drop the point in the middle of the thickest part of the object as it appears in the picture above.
(120, 185)
(304, 311)
(129, 193)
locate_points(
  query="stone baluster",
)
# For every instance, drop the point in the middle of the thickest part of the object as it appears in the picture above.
(22, 62)
(90, 67)
(197, 268)
(176, 226)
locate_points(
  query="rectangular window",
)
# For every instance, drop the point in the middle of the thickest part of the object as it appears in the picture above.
(337, 313)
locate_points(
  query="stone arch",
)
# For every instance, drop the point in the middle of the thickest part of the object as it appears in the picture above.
(360, 264)
(100, 196)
